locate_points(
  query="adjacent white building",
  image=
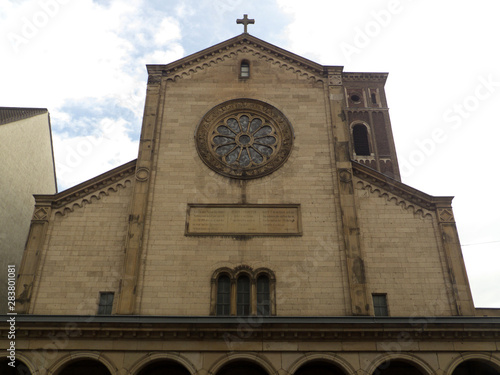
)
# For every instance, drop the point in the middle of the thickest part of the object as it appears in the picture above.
(26, 168)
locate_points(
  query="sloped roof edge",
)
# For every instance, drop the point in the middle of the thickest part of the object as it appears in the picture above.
(12, 114)
(400, 189)
(87, 187)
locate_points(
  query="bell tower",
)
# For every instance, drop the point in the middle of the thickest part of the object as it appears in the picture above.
(367, 115)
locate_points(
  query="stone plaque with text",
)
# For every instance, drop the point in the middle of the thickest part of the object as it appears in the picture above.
(243, 219)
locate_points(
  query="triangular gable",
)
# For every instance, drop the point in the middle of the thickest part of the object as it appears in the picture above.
(208, 56)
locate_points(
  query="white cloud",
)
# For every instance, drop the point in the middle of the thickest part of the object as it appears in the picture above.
(94, 154)
(168, 31)
(175, 52)
(183, 10)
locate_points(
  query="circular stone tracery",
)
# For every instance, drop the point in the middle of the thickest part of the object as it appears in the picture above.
(244, 138)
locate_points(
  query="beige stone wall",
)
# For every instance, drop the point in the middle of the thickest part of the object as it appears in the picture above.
(177, 269)
(26, 168)
(403, 255)
(83, 253)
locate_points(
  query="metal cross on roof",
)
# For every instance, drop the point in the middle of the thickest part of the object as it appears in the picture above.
(245, 21)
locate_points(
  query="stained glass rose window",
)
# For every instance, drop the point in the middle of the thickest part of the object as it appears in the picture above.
(244, 138)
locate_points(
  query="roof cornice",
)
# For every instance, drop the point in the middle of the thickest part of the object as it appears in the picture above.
(374, 77)
(194, 328)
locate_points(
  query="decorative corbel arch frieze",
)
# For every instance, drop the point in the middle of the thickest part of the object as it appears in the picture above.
(94, 196)
(395, 199)
(92, 190)
(211, 58)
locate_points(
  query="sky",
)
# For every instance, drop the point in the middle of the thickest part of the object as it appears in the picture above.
(85, 62)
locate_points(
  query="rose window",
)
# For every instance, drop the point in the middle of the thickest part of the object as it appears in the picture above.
(244, 138)
(245, 141)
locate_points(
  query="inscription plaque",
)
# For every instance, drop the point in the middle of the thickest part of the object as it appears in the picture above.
(241, 220)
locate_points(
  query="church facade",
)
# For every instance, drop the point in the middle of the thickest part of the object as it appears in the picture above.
(263, 229)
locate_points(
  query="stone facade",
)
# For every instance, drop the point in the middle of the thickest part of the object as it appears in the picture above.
(362, 234)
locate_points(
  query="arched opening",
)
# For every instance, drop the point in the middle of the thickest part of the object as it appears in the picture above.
(476, 367)
(84, 367)
(243, 296)
(360, 138)
(19, 369)
(223, 305)
(319, 368)
(163, 367)
(263, 297)
(393, 367)
(242, 368)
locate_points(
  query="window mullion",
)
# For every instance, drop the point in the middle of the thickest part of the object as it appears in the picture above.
(253, 297)
(233, 296)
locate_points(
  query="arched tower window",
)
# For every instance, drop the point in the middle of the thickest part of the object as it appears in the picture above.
(223, 295)
(245, 69)
(360, 138)
(243, 296)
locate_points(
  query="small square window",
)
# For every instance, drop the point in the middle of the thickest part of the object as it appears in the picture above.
(380, 305)
(245, 70)
(105, 303)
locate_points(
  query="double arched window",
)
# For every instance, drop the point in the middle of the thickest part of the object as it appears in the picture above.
(243, 291)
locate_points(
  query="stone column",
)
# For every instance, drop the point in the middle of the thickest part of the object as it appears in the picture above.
(133, 247)
(32, 255)
(360, 303)
(455, 261)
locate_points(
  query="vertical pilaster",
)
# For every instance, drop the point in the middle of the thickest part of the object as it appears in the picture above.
(213, 296)
(31, 256)
(455, 261)
(133, 247)
(272, 296)
(359, 298)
